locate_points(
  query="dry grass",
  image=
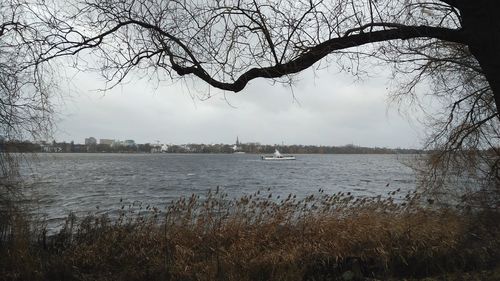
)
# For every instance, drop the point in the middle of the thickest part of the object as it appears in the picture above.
(260, 237)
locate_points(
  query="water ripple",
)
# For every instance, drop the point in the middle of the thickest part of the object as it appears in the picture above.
(79, 182)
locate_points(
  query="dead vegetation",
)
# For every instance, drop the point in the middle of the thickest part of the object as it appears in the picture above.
(257, 237)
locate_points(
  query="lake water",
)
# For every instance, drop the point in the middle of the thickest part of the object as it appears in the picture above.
(83, 183)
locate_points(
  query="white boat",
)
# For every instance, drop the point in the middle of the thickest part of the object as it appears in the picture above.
(277, 156)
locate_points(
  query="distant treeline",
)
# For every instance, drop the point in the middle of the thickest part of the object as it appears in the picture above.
(312, 149)
(256, 148)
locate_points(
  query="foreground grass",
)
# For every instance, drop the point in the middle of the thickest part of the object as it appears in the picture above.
(260, 237)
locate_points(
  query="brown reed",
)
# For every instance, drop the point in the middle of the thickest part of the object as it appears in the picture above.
(260, 237)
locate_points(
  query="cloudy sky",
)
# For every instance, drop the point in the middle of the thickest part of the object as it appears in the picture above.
(323, 108)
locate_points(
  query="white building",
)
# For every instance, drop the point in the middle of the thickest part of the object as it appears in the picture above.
(90, 141)
(164, 148)
(129, 143)
(106, 141)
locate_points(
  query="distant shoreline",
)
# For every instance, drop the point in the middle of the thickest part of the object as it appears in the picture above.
(248, 153)
(249, 148)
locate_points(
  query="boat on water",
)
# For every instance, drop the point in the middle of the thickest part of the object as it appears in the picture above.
(277, 156)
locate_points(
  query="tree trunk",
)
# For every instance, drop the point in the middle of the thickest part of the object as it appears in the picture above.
(490, 63)
(482, 28)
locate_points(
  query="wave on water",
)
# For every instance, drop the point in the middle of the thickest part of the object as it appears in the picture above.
(80, 182)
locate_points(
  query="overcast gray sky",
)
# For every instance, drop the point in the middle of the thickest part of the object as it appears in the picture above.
(325, 108)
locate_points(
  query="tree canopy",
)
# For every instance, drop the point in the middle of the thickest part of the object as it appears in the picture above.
(25, 85)
(229, 43)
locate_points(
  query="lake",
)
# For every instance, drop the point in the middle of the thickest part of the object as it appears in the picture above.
(82, 183)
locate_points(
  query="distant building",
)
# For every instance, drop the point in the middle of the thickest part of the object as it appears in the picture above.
(90, 141)
(164, 148)
(236, 146)
(106, 141)
(129, 143)
(79, 148)
(50, 148)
